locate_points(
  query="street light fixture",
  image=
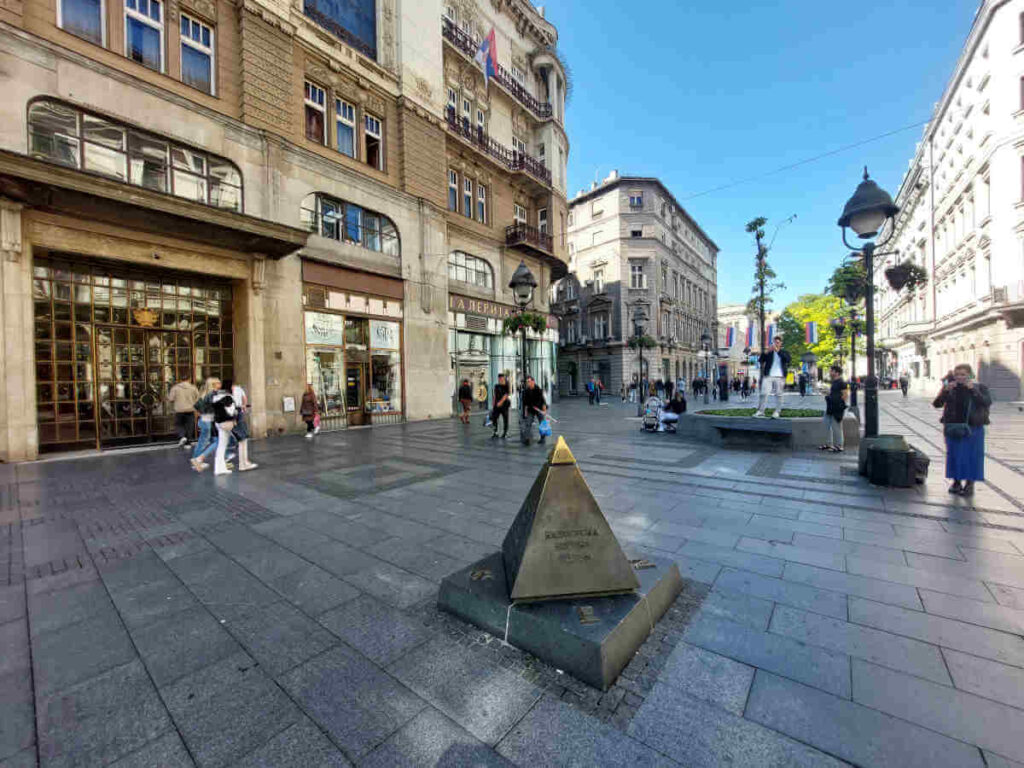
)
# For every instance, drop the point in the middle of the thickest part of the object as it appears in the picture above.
(866, 213)
(855, 326)
(640, 318)
(523, 284)
(705, 341)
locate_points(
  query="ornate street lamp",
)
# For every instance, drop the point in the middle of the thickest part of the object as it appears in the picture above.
(855, 326)
(866, 213)
(705, 341)
(523, 284)
(640, 318)
(838, 325)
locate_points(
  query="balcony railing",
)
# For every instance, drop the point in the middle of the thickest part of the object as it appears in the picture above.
(523, 234)
(463, 41)
(510, 158)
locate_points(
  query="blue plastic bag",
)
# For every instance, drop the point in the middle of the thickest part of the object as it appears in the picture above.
(544, 428)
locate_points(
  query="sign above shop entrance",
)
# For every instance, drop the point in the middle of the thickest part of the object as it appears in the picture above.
(324, 328)
(483, 308)
(383, 335)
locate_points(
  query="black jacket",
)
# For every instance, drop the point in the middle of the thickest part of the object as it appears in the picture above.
(465, 392)
(534, 398)
(224, 407)
(954, 405)
(768, 359)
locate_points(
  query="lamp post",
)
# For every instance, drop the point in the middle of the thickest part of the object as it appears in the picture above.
(808, 359)
(866, 213)
(639, 327)
(854, 328)
(705, 341)
(522, 284)
(838, 329)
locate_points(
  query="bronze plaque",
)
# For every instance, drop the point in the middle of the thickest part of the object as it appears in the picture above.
(560, 545)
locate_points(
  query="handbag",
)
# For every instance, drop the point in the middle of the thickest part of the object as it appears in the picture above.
(544, 427)
(960, 430)
(316, 420)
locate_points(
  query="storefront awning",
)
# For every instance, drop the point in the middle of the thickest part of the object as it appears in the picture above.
(53, 188)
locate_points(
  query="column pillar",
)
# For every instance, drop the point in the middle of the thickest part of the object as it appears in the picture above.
(19, 436)
(250, 364)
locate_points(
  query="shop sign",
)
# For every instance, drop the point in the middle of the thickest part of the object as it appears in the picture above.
(483, 308)
(383, 335)
(322, 328)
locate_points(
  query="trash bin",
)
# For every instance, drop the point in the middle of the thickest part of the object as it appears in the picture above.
(920, 463)
(891, 461)
(892, 442)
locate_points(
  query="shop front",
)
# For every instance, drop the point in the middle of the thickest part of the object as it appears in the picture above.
(480, 351)
(353, 345)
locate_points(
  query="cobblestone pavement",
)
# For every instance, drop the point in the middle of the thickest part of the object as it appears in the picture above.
(149, 616)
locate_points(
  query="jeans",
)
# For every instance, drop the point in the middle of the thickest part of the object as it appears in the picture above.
(206, 442)
(500, 413)
(526, 425)
(833, 431)
(771, 386)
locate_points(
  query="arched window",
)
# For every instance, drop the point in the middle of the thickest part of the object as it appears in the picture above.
(469, 269)
(60, 133)
(350, 223)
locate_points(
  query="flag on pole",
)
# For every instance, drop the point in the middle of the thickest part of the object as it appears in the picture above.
(487, 57)
(749, 340)
(811, 333)
(730, 336)
(771, 333)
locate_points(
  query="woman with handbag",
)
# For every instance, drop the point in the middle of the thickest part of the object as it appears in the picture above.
(309, 410)
(965, 405)
(835, 407)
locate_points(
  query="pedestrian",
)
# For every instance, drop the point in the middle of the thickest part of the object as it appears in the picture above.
(309, 409)
(965, 405)
(835, 407)
(535, 408)
(659, 389)
(904, 383)
(183, 397)
(622, 391)
(802, 383)
(591, 391)
(227, 415)
(632, 390)
(774, 366)
(241, 429)
(598, 388)
(681, 385)
(207, 442)
(465, 400)
(671, 411)
(501, 406)
(745, 388)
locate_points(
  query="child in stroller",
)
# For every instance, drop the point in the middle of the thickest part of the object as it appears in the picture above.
(662, 416)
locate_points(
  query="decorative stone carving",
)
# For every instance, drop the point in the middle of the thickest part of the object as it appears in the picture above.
(10, 230)
(469, 79)
(205, 8)
(422, 87)
(259, 273)
(375, 104)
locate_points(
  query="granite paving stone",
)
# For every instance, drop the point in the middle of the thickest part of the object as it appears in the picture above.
(738, 607)
(182, 643)
(781, 591)
(351, 699)
(167, 751)
(852, 584)
(986, 677)
(1012, 597)
(302, 745)
(14, 641)
(992, 760)
(392, 584)
(313, 590)
(767, 566)
(78, 652)
(929, 546)
(819, 667)
(914, 576)
(989, 615)
(848, 730)
(484, 699)
(413, 557)
(12, 603)
(432, 739)
(700, 735)
(270, 562)
(792, 553)
(17, 712)
(24, 759)
(62, 607)
(378, 631)
(698, 570)
(152, 601)
(976, 569)
(948, 633)
(846, 547)
(227, 709)
(885, 648)
(709, 677)
(278, 636)
(954, 713)
(554, 733)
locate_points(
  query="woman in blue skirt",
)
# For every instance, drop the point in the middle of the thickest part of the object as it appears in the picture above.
(965, 405)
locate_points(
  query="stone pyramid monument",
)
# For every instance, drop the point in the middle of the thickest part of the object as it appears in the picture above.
(560, 545)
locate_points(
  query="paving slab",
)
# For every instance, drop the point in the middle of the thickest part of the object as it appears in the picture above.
(302, 745)
(17, 713)
(78, 652)
(377, 630)
(964, 609)
(278, 636)
(987, 678)
(432, 739)
(785, 592)
(852, 584)
(708, 676)
(313, 590)
(738, 607)
(848, 730)
(182, 643)
(167, 751)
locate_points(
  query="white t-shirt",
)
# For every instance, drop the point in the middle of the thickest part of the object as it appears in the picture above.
(238, 395)
(776, 370)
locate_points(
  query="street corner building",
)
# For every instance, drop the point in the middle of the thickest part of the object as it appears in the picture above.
(316, 192)
(631, 244)
(961, 221)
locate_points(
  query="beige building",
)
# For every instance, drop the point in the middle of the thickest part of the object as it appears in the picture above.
(962, 220)
(261, 191)
(631, 244)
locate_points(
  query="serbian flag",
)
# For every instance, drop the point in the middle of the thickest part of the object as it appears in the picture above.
(811, 332)
(748, 342)
(771, 333)
(730, 336)
(487, 57)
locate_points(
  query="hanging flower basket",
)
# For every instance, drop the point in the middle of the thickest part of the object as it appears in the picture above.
(906, 275)
(530, 320)
(644, 342)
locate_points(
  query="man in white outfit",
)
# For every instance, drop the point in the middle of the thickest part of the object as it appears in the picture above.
(774, 365)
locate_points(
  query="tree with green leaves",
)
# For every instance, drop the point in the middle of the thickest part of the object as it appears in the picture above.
(817, 308)
(765, 279)
(848, 282)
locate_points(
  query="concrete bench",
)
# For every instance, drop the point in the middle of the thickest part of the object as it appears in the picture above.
(745, 430)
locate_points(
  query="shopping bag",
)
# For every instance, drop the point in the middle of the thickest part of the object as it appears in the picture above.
(544, 428)
(316, 421)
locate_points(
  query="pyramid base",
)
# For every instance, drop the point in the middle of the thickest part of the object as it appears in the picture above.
(591, 638)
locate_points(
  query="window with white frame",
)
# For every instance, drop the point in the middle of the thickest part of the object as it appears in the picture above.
(518, 213)
(144, 32)
(572, 249)
(595, 238)
(596, 208)
(197, 57)
(570, 289)
(636, 200)
(83, 18)
(481, 121)
(373, 142)
(481, 203)
(599, 280)
(453, 191)
(542, 220)
(467, 111)
(518, 145)
(345, 127)
(465, 268)
(452, 99)
(601, 325)
(637, 279)
(467, 198)
(316, 113)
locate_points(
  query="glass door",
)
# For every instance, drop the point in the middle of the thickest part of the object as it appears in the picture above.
(323, 371)
(355, 375)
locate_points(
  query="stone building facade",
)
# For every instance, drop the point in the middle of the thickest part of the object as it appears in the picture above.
(962, 220)
(631, 243)
(256, 190)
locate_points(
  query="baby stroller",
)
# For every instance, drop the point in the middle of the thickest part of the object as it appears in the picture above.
(652, 415)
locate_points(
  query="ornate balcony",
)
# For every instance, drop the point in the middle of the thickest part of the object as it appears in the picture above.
(464, 43)
(510, 158)
(520, 234)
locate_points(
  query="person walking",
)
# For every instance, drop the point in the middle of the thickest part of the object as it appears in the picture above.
(835, 407)
(535, 409)
(225, 415)
(622, 392)
(207, 442)
(774, 366)
(965, 407)
(745, 388)
(309, 409)
(598, 389)
(591, 391)
(183, 396)
(501, 406)
(465, 400)
(904, 383)
(802, 384)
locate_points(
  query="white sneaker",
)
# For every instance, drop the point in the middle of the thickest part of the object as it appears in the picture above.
(759, 414)
(777, 414)
(309, 435)
(183, 442)
(316, 430)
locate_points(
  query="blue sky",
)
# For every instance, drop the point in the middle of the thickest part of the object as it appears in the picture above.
(702, 94)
